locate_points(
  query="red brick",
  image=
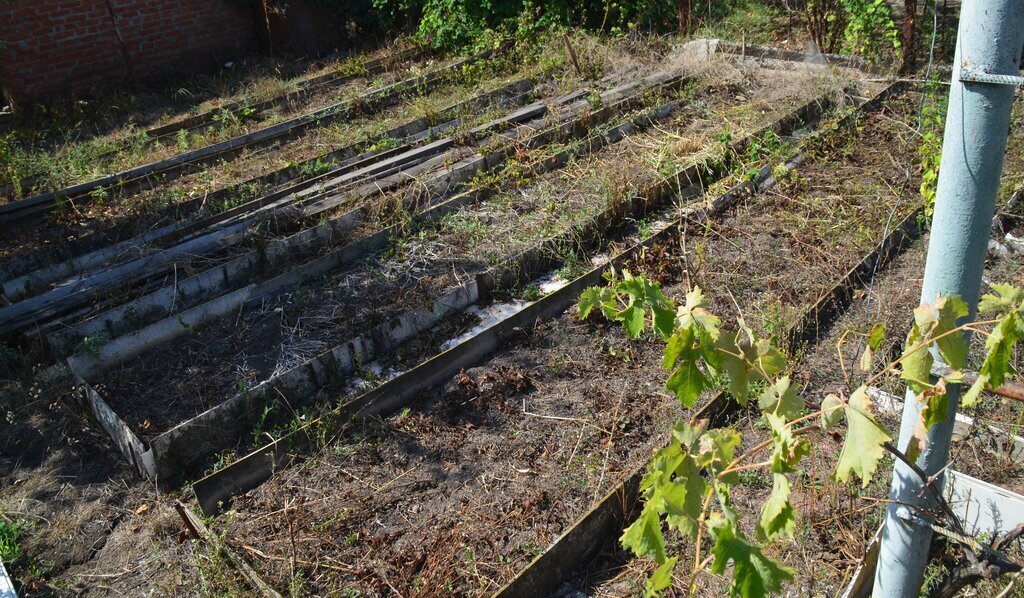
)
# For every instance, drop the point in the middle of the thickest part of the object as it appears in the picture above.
(55, 46)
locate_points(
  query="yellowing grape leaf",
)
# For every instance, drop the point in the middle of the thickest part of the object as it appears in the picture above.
(918, 440)
(865, 440)
(789, 449)
(832, 412)
(780, 398)
(746, 361)
(692, 314)
(716, 447)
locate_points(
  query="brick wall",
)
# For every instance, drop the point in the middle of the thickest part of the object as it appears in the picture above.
(56, 46)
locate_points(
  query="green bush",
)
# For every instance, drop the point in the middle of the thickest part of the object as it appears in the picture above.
(450, 24)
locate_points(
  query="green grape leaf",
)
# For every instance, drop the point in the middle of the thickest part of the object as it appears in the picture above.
(673, 486)
(778, 520)
(736, 368)
(664, 320)
(589, 299)
(936, 404)
(970, 398)
(770, 360)
(676, 346)
(742, 324)
(952, 347)
(832, 412)
(754, 574)
(682, 500)
(875, 338)
(688, 381)
(662, 577)
(1006, 299)
(999, 350)
(789, 450)
(633, 319)
(722, 491)
(597, 297)
(663, 466)
(865, 440)
(686, 434)
(780, 398)
(645, 295)
(917, 365)
(644, 536)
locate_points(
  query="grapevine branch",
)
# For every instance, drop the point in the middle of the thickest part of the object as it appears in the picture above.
(696, 351)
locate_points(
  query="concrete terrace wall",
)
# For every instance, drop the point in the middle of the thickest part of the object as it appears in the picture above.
(52, 47)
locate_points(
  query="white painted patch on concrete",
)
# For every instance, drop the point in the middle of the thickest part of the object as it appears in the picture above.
(497, 312)
(489, 316)
(6, 585)
(551, 283)
(377, 374)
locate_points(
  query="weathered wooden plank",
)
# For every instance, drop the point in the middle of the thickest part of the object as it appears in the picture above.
(174, 165)
(70, 254)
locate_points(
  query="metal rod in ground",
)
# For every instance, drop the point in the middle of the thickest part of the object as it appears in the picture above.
(989, 40)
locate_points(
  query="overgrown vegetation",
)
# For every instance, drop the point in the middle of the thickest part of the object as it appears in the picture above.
(862, 27)
(933, 115)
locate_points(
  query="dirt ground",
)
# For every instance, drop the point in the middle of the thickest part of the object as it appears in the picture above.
(291, 525)
(91, 526)
(170, 383)
(458, 492)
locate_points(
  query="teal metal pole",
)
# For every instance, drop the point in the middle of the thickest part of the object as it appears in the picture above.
(989, 42)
